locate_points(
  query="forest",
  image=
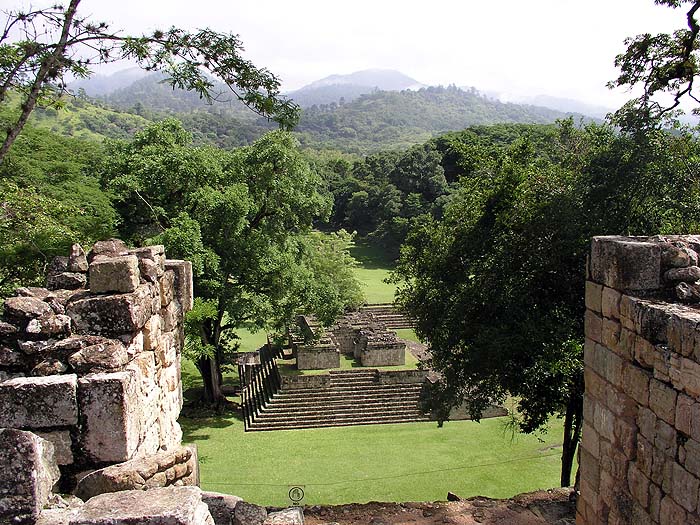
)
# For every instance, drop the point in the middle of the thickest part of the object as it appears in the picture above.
(487, 208)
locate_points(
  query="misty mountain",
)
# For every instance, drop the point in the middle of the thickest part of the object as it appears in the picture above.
(397, 119)
(346, 88)
(101, 85)
(567, 105)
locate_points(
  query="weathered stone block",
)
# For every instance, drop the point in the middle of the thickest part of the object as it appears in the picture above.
(183, 282)
(221, 506)
(171, 316)
(29, 473)
(638, 485)
(157, 506)
(662, 400)
(38, 402)
(51, 325)
(249, 514)
(167, 287)
(291, 516)
(671, 513)
(644, 353)
(152, 333)
(111, 314)
(62, 445)
(103, 357)
(593, 324)
(685, 488)
(625, 264)
(603, 422)
(111, 411)
(108, 248)
(77, 260)
(635, 383)
(66, 281)
(610, 303)
(116, 274)
(318, 357)
(21, 310)
(49, 367)
(594, 294)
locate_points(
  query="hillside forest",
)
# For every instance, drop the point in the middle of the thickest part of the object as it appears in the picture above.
(487, 209)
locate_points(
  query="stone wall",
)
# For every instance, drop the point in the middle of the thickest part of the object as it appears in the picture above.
(318, 356)
(640, 450)
(379, 348)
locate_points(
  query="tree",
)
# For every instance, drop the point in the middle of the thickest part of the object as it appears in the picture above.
(659, 64)
(496, 285)
(41, 48)
(244, 220)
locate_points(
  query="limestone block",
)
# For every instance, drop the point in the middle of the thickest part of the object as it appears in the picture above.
(133, 474)
(611, 333)
(249, 514)
(58, 264)
(11, 358)
(166, 351)
(662, 400)
(116, 274)
(644, 353)
(624, 263)
(48, 367)
(689, 274)
(103, 357)
(77, 261)
(183, 282)
(38, 402)
(691, 457)
(111, 314)
(291, 516)
(151, 333)
(111, 411)
(593, 325)
(682, 331)
(193, 478)
(158, 506)
(167, 287)
(155, 254)
(685, 488)
(29, 472)
(52, 325)
(687, 418)
(62, 445)
(638, 485)
(689, 378)
(594, 294)
(66, 281)
(221, 506)
(635, 383)
(108, 248)
(610, 303)
(171, 316)
(134, 344)
(21, 310)
(148, 270)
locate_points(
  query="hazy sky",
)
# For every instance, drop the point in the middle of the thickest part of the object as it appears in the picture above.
(556, 47)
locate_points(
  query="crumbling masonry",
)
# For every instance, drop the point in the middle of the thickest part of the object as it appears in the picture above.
(640, 451)
(90, 393)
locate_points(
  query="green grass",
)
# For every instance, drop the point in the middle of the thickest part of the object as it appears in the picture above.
(407, 462)
(408, 334)
(373, 269)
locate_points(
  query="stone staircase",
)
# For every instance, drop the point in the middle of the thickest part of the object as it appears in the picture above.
(388, 315)
(354, 397)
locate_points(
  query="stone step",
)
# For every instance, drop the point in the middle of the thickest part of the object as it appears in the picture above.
(363, 401)
(376, 411)
(275, 408)
(340, 416)
(322, 424)
(375, 389)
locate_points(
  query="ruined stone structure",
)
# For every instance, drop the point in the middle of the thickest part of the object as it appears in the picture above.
(640, 451)
(90, 393)
(359, 334)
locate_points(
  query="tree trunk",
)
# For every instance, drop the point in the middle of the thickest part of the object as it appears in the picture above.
(213, 392)
(572, 436)
(49, 63)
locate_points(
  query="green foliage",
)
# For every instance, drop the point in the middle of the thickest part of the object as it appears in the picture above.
(659, 64)
(244, 218)
(497, 285)
(49, 201)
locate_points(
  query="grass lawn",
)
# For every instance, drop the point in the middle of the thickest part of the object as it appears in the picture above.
(373, 269)
(406, 462)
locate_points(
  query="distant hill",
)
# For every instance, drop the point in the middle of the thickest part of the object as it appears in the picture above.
(393, 120)
(567, 105)
(100, 85)
(346, 88)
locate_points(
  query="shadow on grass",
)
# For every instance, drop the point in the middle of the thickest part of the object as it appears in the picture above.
(371, 257)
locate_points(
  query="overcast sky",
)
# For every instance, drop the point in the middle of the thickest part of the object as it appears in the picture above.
(556, 47)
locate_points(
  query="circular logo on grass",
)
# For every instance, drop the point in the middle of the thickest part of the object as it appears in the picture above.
(296, 494)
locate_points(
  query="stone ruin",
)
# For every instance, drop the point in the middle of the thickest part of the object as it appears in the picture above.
(640, 450)
(90, 393)
(358, 334)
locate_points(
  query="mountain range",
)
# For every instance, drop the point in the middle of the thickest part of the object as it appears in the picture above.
(360, 112)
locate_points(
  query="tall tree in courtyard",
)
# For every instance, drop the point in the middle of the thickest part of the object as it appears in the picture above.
(41, 48)
(244, 220)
